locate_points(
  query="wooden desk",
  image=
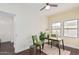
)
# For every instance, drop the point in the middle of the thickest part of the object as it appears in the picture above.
(58, 42)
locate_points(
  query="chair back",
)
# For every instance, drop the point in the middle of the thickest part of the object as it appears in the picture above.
(54, 35)
(47, 36)
(35, 39)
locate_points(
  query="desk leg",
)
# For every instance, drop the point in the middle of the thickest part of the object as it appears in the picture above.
(59, 48)
(43, 46)
(63, 44)
(48, 41)
(51, 43)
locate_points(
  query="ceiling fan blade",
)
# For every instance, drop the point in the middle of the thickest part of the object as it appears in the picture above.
(47, 3)
(42, 8)
(53, 5)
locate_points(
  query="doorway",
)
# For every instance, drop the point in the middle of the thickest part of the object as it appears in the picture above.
(6, 33)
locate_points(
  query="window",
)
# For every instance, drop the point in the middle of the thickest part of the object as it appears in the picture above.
(70, 28)
(56, 28)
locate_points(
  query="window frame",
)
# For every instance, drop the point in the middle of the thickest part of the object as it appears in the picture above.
(56, 29)
(70, 28)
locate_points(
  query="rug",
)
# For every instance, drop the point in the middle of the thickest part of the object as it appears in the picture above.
(54, 50)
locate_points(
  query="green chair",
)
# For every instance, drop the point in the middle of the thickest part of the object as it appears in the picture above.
(37, 43)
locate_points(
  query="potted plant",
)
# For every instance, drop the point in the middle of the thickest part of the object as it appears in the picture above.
(42, 36)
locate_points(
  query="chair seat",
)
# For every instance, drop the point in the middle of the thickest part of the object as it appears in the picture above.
(39, 43)
(32, 46)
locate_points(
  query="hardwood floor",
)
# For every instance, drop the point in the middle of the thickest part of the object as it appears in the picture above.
(74, 51)
(8, 49)
(27, 52)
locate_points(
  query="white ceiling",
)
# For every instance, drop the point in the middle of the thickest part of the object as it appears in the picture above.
(61, 8)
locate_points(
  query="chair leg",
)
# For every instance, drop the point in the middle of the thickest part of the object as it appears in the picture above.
(59, 48)
(63, 44)
(40, 49)
(43, 46)
(48, 41)
(36, 50)
(51, 43)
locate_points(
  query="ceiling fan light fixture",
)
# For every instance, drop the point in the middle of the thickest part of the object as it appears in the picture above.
(47, 7)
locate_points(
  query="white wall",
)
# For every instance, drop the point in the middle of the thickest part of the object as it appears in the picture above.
(6, 28)
(27, 22)
(44, 22)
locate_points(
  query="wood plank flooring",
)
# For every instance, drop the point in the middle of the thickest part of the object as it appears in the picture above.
(8, 49)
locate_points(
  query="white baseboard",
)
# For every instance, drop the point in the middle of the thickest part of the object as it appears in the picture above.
(64, 45)
(72, 46)
(21, 50)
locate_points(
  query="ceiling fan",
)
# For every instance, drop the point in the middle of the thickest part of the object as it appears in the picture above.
(48, 5)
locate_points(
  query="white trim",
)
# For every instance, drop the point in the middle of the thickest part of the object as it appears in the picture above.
(72, 46)
(21, 50)
(7, 13)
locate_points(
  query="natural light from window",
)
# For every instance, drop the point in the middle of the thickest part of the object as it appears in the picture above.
(70, 28)
(56, 28)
